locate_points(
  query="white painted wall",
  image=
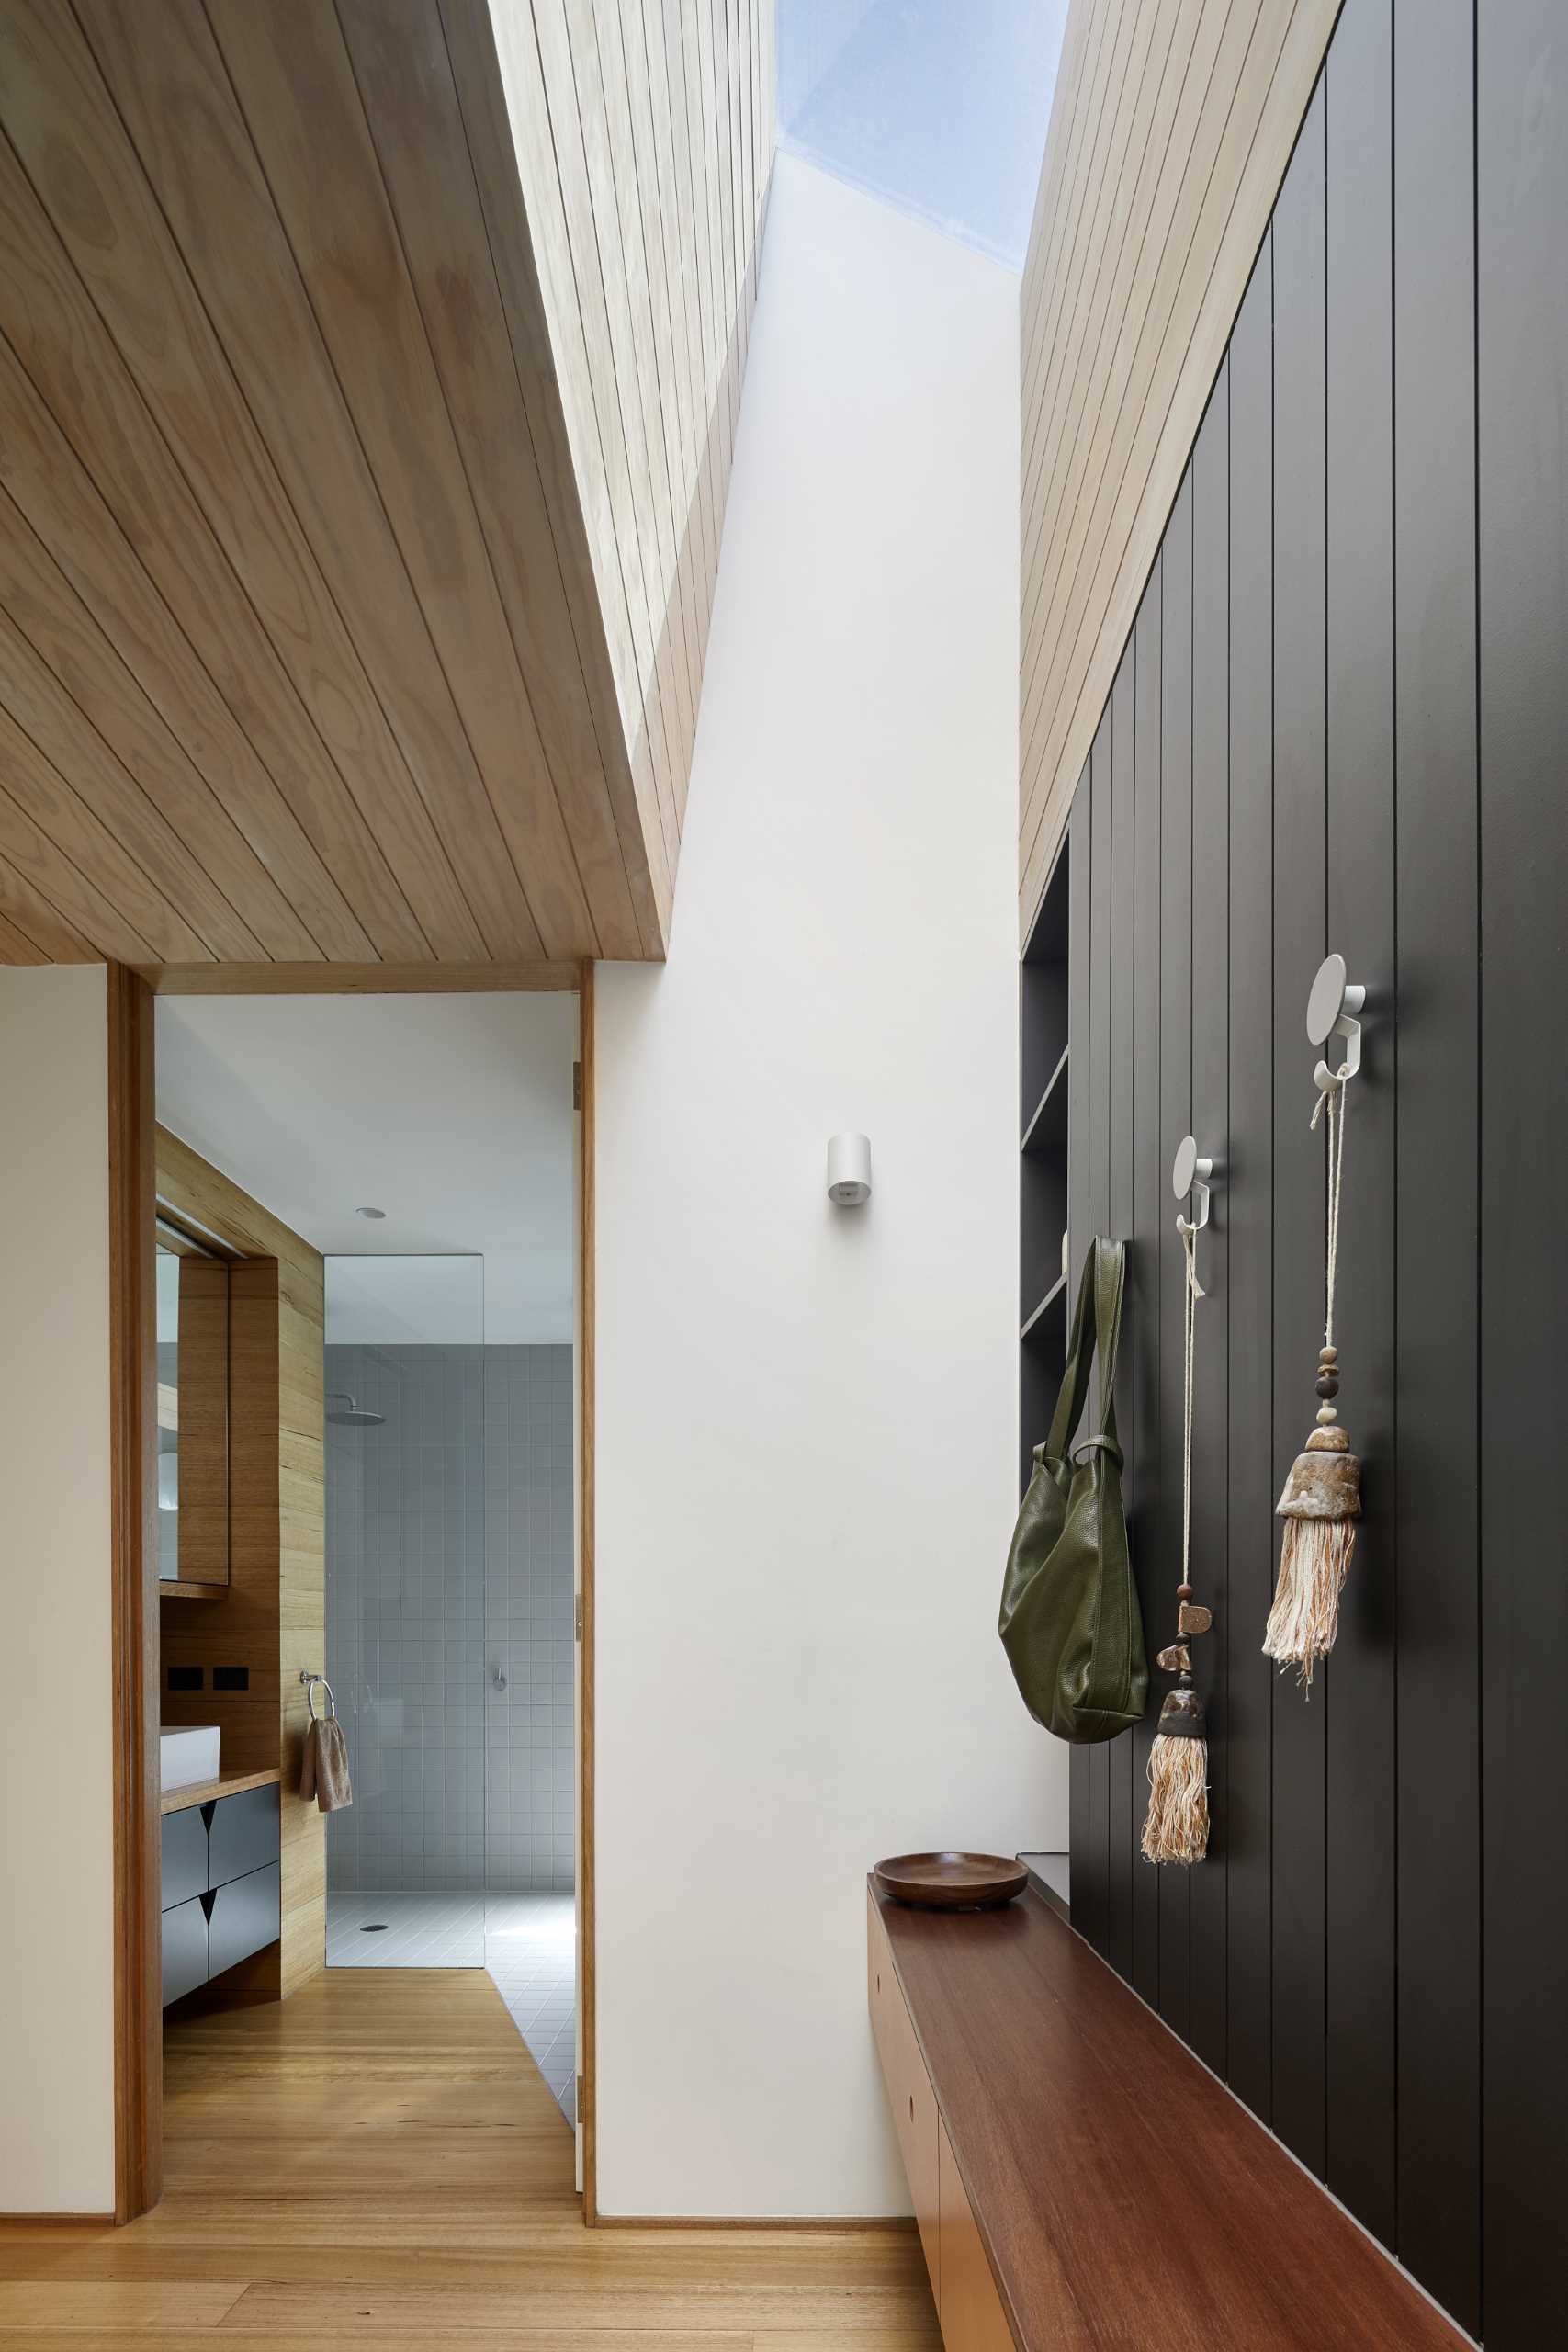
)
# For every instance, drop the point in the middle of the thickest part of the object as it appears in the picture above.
(56, 1945)
(806, 1417)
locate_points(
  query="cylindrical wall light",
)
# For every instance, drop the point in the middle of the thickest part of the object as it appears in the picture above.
(849, 1171)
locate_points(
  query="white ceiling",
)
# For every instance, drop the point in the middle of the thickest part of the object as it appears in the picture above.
(452, 1112)
(418, 1302)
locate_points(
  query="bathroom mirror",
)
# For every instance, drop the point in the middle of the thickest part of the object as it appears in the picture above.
(193, 1412)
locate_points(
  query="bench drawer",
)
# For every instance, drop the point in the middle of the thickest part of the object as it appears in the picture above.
(970, 2307)
(910, 2091)
(883, 1998)
(920, 2130)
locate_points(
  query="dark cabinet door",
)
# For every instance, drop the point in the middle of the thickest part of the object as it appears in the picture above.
(244, 1837)
(184, 1943)
(185, 1856)
(246, 1916)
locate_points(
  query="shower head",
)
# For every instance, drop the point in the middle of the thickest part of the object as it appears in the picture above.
(349, 1415)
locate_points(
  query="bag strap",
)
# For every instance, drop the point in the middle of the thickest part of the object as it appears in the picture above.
(1097, 1327)
(1074, 1392)
(1109, 1287)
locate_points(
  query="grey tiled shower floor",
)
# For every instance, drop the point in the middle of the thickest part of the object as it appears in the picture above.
(528, 1942)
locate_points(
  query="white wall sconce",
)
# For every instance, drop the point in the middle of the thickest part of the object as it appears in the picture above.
(849, 1171)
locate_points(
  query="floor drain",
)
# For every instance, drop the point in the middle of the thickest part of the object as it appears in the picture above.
(377, 1929)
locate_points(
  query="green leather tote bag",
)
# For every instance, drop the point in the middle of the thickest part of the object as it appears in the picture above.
(1070, 1622)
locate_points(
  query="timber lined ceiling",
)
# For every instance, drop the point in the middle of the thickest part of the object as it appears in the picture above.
(369, 380)
(1171, 131)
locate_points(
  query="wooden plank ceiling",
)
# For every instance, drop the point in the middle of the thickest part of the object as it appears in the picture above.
(369, 375)
(1170, 130)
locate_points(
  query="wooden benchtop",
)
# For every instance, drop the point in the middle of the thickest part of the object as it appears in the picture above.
(227, 1784)
(1124, 2197)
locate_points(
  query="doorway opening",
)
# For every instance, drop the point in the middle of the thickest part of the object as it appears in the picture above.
(402, 1180)
(450, 1609)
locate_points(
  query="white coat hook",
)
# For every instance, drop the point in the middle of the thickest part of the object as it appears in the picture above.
(1190, 1172)
(1332, 1009)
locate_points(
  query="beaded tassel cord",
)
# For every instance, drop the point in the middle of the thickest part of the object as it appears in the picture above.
(1176, 1828)
(1322, 1500)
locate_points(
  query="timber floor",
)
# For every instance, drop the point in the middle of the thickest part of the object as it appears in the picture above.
(379, 2161)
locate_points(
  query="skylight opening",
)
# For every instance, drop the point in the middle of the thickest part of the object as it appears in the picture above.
(938, 106)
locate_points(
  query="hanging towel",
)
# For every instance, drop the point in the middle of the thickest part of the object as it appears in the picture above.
(324, 1772)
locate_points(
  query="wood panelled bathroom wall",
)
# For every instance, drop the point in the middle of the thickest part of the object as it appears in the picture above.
(1338, 723)
(272, 1617)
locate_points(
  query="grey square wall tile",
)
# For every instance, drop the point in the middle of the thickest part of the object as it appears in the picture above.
(450, 1534)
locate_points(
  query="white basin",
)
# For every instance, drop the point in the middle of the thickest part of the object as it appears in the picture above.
(185, 1756)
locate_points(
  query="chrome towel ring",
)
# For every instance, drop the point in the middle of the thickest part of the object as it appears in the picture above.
(311, 1681)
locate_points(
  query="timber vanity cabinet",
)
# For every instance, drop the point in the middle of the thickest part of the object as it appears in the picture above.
(1079, 2180)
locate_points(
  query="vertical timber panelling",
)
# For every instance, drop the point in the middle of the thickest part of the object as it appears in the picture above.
(1100, 966)
(1243, 1210)
(1175, 1118)
(1300, 1725)
(1211, 1118)
(1121, 1795)
(1150, 1194)
(1437, 1202)
(1522, 279)
(1347, 704)
(1359, 1714)
(1080, 850)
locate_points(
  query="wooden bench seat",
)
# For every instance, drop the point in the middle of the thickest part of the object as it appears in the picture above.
(1081, 2181)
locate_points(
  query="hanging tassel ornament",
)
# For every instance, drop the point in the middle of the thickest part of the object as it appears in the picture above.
(1322, 1500)
(1176, 1828)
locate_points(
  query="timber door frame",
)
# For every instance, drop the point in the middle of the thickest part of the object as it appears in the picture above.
(132, 1121)
(134, 1630)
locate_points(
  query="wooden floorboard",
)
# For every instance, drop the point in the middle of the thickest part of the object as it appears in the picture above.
(379, 2161)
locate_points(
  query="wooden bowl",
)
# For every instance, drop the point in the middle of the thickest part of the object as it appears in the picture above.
(952, 1882)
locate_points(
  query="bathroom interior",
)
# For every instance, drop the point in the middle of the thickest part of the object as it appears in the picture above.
(395, 1177)
(449, 1605)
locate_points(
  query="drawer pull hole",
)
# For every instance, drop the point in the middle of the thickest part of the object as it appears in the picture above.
(911, 2106)
(879, 1984)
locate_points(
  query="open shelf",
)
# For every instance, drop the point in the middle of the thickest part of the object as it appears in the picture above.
(1043, 1090)
(1043, 985)
(1047, 1128)
(1055, 1297)
(1042, 1352)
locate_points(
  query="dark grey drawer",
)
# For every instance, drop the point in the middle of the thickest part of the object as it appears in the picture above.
(185, 1942)
(185, 1856)
(246, 1916)
(244, 1835)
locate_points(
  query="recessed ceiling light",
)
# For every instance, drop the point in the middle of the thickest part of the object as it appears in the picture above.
(370, 1213)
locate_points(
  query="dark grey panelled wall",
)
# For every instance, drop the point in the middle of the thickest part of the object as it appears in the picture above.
(1341, 721)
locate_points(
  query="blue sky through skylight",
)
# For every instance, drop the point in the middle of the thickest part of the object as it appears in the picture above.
(940, 106)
